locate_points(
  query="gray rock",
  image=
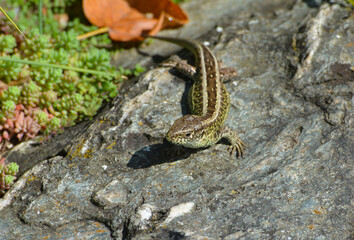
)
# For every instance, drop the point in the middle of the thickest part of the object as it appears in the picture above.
(291, 103)
(112, 195)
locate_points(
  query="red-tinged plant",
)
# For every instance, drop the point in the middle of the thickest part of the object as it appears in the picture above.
(22, 126)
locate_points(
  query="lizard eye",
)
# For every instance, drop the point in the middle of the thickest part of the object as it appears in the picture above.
(188, 134)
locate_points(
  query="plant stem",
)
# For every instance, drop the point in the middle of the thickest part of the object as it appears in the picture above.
(55, 66)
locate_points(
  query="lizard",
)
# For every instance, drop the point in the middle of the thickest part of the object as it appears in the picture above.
(208, 99)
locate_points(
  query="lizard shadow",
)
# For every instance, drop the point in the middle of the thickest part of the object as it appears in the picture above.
(185, 95)
(157, 154)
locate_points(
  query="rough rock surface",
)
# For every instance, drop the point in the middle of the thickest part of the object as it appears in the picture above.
(291, 103)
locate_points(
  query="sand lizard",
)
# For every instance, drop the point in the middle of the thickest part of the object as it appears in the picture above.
(209, 101)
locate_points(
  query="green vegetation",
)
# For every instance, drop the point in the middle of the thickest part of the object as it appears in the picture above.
(179, 1)
(7, 175)
(351, 2)
(51, 80)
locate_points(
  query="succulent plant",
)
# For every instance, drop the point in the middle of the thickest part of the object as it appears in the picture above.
(30, 94)
(67, 40)
(11, 93)
(47, 98)
(7, 175)
(7, 44)
(22, 126)
(39, 100)
(37, 46)
(95, 58)
(7, 108)
(10, 70)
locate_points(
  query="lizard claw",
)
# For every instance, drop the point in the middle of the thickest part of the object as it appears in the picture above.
(238, 147)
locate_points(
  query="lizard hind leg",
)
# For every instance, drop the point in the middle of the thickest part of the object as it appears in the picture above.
(226, 73)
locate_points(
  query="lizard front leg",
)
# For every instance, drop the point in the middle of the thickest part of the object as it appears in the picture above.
(183, 67)
(236, 142)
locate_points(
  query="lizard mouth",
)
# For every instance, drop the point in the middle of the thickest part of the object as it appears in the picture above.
(173, 138)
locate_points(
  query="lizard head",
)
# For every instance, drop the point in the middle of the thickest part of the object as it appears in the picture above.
(187, 131)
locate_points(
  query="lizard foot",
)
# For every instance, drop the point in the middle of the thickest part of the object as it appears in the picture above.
(238, 147)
